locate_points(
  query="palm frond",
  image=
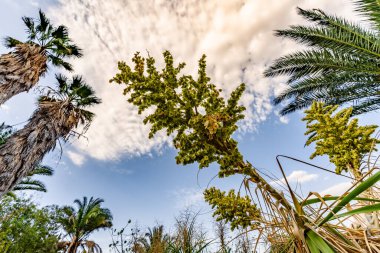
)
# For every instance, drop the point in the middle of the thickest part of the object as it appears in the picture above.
(10, 42)
(43, 22)
(30, 184)
(59, 62)
(42, 170)
(341, 65)
(60, 32)
(371, 10)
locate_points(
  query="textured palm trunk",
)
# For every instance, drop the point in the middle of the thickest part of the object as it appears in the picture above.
(27, 147)
(20, 70)
(73, 245)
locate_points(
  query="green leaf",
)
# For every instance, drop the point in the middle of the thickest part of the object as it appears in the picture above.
(317, 244)
(317, 200)
(364, 209)
(351, 196)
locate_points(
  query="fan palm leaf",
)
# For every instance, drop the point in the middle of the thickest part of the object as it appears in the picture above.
(21, 69)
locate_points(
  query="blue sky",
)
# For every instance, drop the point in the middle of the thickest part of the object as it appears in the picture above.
(138, 178)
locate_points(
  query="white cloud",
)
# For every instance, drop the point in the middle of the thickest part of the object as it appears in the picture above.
(337, 189)
(188, 197)
(5, 108)
(237, 37)
(297, 176)
(76, 158)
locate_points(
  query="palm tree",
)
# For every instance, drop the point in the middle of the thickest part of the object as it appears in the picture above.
(58, 113)
(156, 241)
(21, 69)
(340, 65)
(79, 223)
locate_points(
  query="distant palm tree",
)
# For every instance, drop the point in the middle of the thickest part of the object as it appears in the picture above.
(340, 65)
(58, 113)
(21, 69)
(156, 241)
(79, 223)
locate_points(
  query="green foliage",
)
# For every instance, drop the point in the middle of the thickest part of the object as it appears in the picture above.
(237, 210)
(26, 228)
(337, 136)
(194, 109)
(347, 199)
(339, 65)
(194, 112)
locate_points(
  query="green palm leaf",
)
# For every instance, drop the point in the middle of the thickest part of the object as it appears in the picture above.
(371, 10)
(340, 66)
(54, 41)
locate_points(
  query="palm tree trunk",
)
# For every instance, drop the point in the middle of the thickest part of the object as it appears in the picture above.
(27, 147)
(73, 245)
(20, 70)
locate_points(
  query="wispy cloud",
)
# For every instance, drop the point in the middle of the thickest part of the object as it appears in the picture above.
(237, 37)
(337, 189)
(297, 176)
(188, 197)
(77, 158)
(5, 108)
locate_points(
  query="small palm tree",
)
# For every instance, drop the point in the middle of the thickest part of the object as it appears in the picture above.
(21, 69)
(58, 113)
(340, 65)
(156, 241)
(79, 223)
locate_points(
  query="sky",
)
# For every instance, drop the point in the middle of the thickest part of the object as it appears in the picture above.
(138, 177)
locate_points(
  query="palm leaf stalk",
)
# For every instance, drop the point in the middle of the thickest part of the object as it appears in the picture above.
(340, 65)
(79, 223)
(21, 69)
(59, 112)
